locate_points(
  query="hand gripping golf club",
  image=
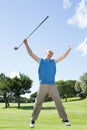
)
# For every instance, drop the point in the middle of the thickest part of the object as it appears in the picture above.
(16, 48)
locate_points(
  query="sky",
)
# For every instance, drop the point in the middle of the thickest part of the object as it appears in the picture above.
(67, 24)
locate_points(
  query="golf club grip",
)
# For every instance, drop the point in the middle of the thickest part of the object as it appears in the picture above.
(37, 27)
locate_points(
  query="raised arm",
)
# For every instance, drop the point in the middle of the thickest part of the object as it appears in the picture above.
(64, 55)
(36, 58)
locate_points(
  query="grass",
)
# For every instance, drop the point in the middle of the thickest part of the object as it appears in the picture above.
(18, 119)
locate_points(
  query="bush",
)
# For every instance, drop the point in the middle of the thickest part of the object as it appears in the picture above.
(82, 95)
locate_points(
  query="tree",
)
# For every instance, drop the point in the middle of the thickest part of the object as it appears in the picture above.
(21, 86)
(33, 96)
(83, 83)
(47, 98)
(78, 90)
(66, 88)
(5, 84)
(70, 88)
(77, 87)
(61, 87)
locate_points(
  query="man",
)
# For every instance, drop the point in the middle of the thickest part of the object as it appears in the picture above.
(46, 72)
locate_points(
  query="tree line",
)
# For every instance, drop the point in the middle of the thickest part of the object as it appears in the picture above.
(13, 88)
(68, 88)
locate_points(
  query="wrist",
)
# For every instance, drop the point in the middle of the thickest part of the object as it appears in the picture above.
(70, 48)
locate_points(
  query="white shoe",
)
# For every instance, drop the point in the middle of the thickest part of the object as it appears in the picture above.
(32, 124)
(67, 123)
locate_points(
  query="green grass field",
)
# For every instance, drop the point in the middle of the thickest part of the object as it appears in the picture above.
(18, 119)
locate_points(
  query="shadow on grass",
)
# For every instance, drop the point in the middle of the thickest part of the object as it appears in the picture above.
(72, 100)
(20, 108)
(29, 108)
(75, 100)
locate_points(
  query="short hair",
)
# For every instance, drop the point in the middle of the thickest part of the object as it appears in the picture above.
(49, 50)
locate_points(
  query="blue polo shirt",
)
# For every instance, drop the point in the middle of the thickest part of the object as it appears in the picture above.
(47, 71)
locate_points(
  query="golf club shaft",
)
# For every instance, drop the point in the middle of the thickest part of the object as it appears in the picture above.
(34, 30)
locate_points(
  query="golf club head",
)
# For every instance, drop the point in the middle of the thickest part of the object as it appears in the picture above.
(15, 48)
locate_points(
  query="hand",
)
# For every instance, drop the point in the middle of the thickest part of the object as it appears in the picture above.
(25, 41)
(70, 46)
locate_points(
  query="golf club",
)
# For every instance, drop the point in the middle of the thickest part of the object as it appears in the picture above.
(16, 48)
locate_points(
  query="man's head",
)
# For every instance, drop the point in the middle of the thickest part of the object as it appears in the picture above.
(49, 54)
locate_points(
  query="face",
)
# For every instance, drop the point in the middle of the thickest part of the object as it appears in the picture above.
(49, 54)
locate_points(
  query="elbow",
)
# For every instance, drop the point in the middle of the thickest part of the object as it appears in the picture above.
(30, 54)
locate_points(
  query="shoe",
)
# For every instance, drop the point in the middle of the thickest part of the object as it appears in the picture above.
(66, 122)
(32, 124)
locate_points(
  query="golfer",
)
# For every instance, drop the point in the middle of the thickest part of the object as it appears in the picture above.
(46, 72)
